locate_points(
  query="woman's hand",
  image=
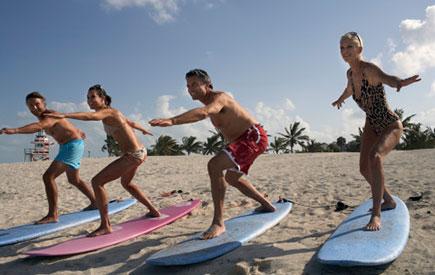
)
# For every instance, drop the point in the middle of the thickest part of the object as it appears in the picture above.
(338, 103)
(408, 81)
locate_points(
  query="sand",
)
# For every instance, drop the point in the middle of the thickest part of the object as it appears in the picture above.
(318, 181)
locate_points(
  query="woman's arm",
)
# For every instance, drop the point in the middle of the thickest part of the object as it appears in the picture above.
(391, 80)
(346, 93)
(137, 126)
(98, 115)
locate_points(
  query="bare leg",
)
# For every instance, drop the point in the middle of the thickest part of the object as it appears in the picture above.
(368, 140)
(216, 166)
(235, 179)
(135, 191)
(74, 179)
(111, 172)
(386, 143)
(56, 168)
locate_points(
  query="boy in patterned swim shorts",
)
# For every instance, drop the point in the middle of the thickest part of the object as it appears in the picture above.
(246, 141)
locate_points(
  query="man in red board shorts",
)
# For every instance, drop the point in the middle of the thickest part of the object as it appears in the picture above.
(246, 141)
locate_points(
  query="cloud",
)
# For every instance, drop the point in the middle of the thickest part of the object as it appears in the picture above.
(289, 105)
(418, 36)
(427, 118)
(377, 60)
(162, 11)
(24, 115)
(164, 109)
(352, 120)
(432, 90)
(69, 107)
(275, 118)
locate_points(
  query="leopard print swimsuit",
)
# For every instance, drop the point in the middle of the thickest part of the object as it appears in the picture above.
(374, 103)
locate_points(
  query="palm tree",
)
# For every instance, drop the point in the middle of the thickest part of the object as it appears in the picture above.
(355, 144)
(341, 142)
(313, 146)
(278, 145)
(111, 146)
(190, 145)
(293, 135)
(416, 138)
(165, 146)
(407, 124)
(212, 145)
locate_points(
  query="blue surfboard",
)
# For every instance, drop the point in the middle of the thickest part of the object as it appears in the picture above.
(30, 231)
(352, 245)
(238, 231)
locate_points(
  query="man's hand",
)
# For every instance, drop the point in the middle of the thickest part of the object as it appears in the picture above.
(8, 131)
(82, 134)
(161, 122)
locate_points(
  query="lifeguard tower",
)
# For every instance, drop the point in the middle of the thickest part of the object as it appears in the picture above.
(40, 150)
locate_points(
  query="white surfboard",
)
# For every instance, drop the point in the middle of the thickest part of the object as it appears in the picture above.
(238, 231)
(352, 245)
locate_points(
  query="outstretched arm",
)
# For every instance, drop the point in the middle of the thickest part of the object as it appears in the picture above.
(346, 93)
(29, 128)
(393, 81)
(139, 127)
(190, 116)
(99, 115)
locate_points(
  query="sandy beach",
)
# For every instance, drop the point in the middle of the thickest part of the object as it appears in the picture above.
(315, 180)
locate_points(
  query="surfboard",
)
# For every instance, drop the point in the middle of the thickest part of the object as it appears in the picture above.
(121, 232)
(239, 230)
(351, 245)
(30, 231)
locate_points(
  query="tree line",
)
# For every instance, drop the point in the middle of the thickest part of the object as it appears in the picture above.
(415, 136)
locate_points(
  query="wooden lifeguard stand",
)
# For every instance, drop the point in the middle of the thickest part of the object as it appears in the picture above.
(40, 150)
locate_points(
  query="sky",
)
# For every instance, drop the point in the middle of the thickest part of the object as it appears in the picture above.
(280, 59)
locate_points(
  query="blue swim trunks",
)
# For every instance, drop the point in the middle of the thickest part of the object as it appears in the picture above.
(71, 153)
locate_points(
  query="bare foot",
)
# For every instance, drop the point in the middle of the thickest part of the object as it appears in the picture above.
(90, 207)
(386, 205)
(47, 219)
(374, 223)
(153, 214)
(265, 208)
(214, 231)
(100, 231)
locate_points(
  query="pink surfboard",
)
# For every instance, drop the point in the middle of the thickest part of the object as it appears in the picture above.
(121, 232)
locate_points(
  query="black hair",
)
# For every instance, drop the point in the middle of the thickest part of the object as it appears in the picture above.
(102, 93)
(201, 74)
(35, 95)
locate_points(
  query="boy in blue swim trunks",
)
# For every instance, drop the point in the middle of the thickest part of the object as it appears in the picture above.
(71, 147)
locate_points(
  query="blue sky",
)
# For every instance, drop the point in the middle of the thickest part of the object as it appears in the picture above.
(280, 59)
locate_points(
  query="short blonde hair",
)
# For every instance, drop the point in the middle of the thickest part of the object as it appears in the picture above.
(354, 37)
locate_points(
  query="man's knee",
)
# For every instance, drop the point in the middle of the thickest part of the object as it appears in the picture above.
(232, 179)
(214, 168)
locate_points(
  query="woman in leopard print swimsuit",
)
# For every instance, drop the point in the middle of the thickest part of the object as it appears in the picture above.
(382, 129)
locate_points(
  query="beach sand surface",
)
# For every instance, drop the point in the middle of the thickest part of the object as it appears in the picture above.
(316, 182)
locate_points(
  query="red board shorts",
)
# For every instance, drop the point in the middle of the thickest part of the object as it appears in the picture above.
(246, 148)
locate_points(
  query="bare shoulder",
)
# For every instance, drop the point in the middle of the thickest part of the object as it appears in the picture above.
(223, 95)
(48, 122)
(370, 68)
